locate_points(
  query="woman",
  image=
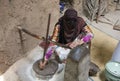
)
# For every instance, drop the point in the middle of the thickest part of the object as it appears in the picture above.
(70, 30)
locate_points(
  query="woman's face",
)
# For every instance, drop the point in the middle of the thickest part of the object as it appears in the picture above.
(71, 21)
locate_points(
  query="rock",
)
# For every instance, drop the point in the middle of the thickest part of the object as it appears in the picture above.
(94, 69)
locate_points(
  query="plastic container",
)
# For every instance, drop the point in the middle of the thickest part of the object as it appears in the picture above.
(116, 54)
(112, 71)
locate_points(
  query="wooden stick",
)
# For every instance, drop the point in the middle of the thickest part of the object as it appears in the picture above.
(30, 33)
(41, 38)
(115, 26)
(21, 38)
(46, 41)
(98, 13)
(21, 41)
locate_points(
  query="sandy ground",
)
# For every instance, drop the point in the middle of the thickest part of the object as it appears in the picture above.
(101, 52)
(30, 14)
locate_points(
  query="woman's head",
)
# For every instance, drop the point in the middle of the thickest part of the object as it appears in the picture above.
(71, 26)
(70, 17)
(70, 14)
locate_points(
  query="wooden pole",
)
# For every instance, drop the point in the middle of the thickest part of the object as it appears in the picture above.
(21, 41)
(21, 38)
(98, 12)
(41, 38)
(46, 39)
(30, 33)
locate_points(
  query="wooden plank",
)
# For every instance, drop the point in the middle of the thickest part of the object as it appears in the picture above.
(116, 27)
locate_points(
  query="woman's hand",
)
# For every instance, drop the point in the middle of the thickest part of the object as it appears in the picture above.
(43, 44)
(76, 43)
(43, 64)
(73, 44)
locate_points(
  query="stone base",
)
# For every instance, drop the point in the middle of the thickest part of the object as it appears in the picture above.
(49, 70)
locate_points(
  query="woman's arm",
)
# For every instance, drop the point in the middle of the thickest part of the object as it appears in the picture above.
(55, 33)
(86, 38)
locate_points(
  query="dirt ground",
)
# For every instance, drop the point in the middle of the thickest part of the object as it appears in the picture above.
(102, 49)
(29, 14)
(33, 15)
